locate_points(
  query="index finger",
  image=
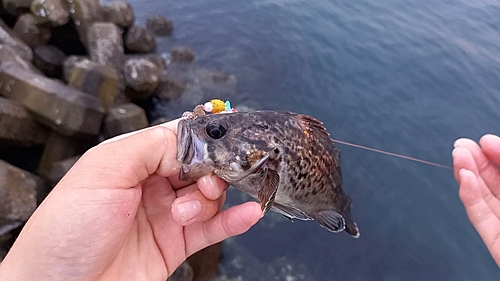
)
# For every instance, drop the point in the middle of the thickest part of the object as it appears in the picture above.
(486, 169)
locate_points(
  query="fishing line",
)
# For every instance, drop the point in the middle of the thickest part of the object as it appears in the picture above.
(393, 154)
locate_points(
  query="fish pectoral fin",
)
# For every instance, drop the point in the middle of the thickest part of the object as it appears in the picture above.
(330, 220)
(290, 212)
(268, 190)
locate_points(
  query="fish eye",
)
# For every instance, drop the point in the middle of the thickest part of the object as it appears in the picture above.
(216, 131)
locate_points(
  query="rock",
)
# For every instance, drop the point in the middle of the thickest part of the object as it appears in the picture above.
(141, 78)
(7, 37)
(95, 79)
(157, 59)
(215, 81)
(18, 196)
(30, 32)
(59, 169)
(119, 13)
(140, 40)
(49, 59)
(84, 14)
(60, 148)
(182, 55)
(105, 44)
(169, 88)
(53, 12)
(9, 56)
(123, 119)
(121, 98)
(160, 25)
(205, 263)
(60, 107)
(160, 120)
(17, 7)
(17, 127)
(69, 64)
(239, 264)
(183, 273)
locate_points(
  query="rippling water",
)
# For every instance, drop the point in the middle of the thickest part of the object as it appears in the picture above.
(404, 76)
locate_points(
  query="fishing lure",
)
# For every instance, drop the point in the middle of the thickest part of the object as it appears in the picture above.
(216, 106)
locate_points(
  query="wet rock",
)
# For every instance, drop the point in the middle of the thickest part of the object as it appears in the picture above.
(157, 59)
(17, 7)
(160, 25)
(53, 12)
(30, 32)
(60, 148)
(17, 127)
(141, 78)
(9, 56)
(205, 263)
(182, 54)
(124, 119)
(119, 13)
(84, 14)
(59, 169)
(169, 88)
(215, 81)
(105, 44)
(183, 273)
(18, 196)
(95, 79)
(49, 59)
(60, 107)
(140, 40)
(8, 37)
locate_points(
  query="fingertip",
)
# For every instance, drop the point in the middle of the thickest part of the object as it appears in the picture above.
(212, 186)
(248, 215)
(460, 142)
(490, 142)
(489, 137)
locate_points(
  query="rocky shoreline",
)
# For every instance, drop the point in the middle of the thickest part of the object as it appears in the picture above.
(72, 74)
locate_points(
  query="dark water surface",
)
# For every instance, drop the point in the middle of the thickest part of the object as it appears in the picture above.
(404, 76)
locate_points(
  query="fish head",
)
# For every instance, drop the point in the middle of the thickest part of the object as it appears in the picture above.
(229, 145)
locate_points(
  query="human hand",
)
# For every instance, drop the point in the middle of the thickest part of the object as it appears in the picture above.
(476, 171)
(121, 213)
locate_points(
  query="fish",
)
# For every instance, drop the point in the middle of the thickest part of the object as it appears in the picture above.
(285, 160)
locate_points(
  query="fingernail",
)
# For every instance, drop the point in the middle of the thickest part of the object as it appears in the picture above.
(212, 182)
(489, 136)
(189, 209)
(458, 142)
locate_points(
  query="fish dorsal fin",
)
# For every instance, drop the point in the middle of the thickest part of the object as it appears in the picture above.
(330, 220)
(290, 212)
(311, 123)
(268, 189)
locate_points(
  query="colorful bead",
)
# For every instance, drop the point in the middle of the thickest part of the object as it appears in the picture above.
(218, 105)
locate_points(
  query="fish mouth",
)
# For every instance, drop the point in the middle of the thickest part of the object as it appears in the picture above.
(191, 152)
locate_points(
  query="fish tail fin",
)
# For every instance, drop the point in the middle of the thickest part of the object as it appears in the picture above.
(351, 227)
